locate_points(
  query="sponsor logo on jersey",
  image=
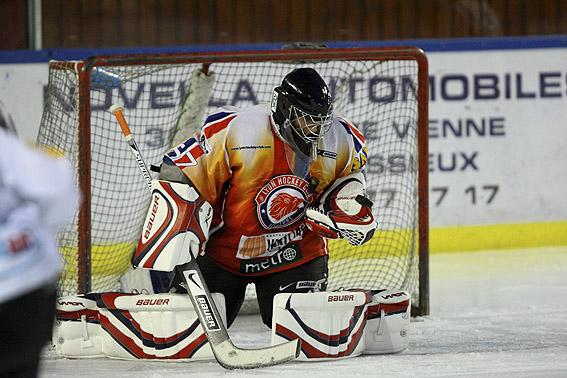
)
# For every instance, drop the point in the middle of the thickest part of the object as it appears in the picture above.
(251, 247)
(281, 201)
(286, 256)
(306, 284)
(300, 285)
(250, 148)
(327, 154)
(283, 287)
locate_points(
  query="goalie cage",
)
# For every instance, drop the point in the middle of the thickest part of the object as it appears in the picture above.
(384, 91)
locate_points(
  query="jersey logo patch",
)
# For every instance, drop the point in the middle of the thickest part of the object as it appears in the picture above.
(285, 256)
(186, 154)
(251, 247)
(281, 201)
(327, 154)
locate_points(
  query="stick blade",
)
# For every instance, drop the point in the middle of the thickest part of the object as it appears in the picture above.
(231, 357)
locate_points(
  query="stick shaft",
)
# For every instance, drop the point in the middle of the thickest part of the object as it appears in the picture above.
(119, 114)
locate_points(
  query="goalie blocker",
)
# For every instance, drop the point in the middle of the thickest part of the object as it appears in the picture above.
(176, 227)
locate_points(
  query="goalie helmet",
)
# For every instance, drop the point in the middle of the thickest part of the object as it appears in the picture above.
(302, 109)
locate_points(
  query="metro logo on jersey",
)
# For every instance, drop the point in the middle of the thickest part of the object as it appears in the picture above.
(282, 200)
(285, 256)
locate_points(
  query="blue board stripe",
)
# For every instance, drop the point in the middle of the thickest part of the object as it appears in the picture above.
(428, 45)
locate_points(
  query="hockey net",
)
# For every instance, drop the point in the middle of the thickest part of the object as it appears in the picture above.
(383, 91)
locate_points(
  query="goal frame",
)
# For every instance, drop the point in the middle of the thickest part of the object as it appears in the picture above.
(84, 69)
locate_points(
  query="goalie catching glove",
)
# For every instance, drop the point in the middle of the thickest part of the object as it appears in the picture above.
(344, 211)
(175, 229)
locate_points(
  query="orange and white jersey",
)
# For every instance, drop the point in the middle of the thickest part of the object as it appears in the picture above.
(241, 166)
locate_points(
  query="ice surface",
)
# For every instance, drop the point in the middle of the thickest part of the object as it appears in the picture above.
(493, 314)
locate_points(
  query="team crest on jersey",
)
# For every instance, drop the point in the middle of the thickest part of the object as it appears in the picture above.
(281, 201)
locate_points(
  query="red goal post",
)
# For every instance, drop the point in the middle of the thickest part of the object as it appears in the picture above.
(384, 91)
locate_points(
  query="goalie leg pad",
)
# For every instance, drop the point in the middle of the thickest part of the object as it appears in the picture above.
(127, 326)
(387, 328)
(343, 324)
(77, 332)
(329, 324)
(175, 229)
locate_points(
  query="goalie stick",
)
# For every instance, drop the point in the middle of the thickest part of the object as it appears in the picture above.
(226, 353)
(117, 110)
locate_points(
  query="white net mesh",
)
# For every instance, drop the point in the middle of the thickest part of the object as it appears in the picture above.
(378, 96)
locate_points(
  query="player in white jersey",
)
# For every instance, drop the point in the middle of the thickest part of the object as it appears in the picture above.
(280, 179)
(37, 198)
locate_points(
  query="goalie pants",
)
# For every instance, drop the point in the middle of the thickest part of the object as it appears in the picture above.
(25, 328)
(311, 276)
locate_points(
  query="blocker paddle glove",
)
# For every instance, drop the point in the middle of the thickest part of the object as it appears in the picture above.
(175, 229)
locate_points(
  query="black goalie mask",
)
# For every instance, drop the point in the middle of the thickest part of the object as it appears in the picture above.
(302, 109)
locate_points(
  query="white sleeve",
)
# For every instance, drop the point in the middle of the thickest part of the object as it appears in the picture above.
(39, 178)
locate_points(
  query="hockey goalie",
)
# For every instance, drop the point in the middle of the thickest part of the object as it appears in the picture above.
(253, 197)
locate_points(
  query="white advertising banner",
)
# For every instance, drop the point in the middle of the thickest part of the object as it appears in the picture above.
(498, 132)
(498, 136)
(21, 96)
